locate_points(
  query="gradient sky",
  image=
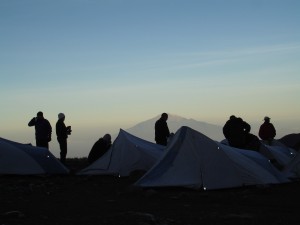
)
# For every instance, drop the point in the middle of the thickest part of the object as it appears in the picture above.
(110, 64)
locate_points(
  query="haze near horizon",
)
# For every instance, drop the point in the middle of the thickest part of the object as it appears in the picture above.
(111, 64)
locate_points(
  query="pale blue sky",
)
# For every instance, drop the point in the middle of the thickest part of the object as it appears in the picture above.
(109, 64)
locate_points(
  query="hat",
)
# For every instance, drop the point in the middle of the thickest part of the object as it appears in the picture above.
(267, 118)
(61, 115)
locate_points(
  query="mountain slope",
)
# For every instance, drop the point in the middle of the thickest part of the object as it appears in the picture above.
(145, 130)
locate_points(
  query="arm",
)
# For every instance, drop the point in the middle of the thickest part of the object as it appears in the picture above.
(167, 131)
(49, 131)
(247, 127)
(226, 130)
(32, 122)
(260, 132)
(274, 131)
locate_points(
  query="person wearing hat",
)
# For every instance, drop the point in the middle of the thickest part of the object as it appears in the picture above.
(43, 130)
(62, 132)
(267, 131)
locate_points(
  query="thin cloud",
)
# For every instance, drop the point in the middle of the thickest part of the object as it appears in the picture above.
(216, 58)
(295, 47)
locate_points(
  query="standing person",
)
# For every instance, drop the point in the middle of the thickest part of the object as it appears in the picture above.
(62, 132)
(162, 130)
(43, 130)
(267, 131)
(99, 148)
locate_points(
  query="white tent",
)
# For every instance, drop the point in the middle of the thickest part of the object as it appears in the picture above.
(288, 157)
(282, 154)
(25, 159)
(292, 169)
(128, 153)
(195, 161)
(277, 151)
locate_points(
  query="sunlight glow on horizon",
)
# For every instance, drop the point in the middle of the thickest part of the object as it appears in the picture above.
(112, 64)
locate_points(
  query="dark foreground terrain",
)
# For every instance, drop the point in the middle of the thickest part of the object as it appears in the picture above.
(71, 200)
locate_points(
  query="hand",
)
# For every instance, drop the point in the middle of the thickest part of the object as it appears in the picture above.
(69, 130)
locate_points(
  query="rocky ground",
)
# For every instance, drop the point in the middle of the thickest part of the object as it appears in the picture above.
(106, 200)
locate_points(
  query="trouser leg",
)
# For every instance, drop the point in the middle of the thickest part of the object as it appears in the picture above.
(63, 150)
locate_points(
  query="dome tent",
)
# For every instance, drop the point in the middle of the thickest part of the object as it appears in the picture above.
(25, 159)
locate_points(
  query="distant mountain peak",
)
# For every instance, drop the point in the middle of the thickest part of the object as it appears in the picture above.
(145, 129)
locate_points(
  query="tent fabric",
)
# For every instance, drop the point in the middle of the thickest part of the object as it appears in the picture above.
(282, 154)
(195, 161)
(25, 159)
(292, 169)
(256, 168)
(128, 153)
(291, 140)
(286, 156)
(278, 151)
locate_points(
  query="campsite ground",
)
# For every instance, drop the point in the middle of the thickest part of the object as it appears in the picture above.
(108, 200)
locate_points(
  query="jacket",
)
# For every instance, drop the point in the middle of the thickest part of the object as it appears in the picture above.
(43, 129)
(161, 131)
(267, 131)
(61, 130)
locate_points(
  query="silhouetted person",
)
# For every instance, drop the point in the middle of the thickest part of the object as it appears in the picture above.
(99, 148)
(162, 130)
(62, 132)
(267, 131)
(252, 142)
(43, 130)
(235, 130)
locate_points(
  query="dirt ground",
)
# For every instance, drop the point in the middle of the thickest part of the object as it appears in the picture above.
(106, 200)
